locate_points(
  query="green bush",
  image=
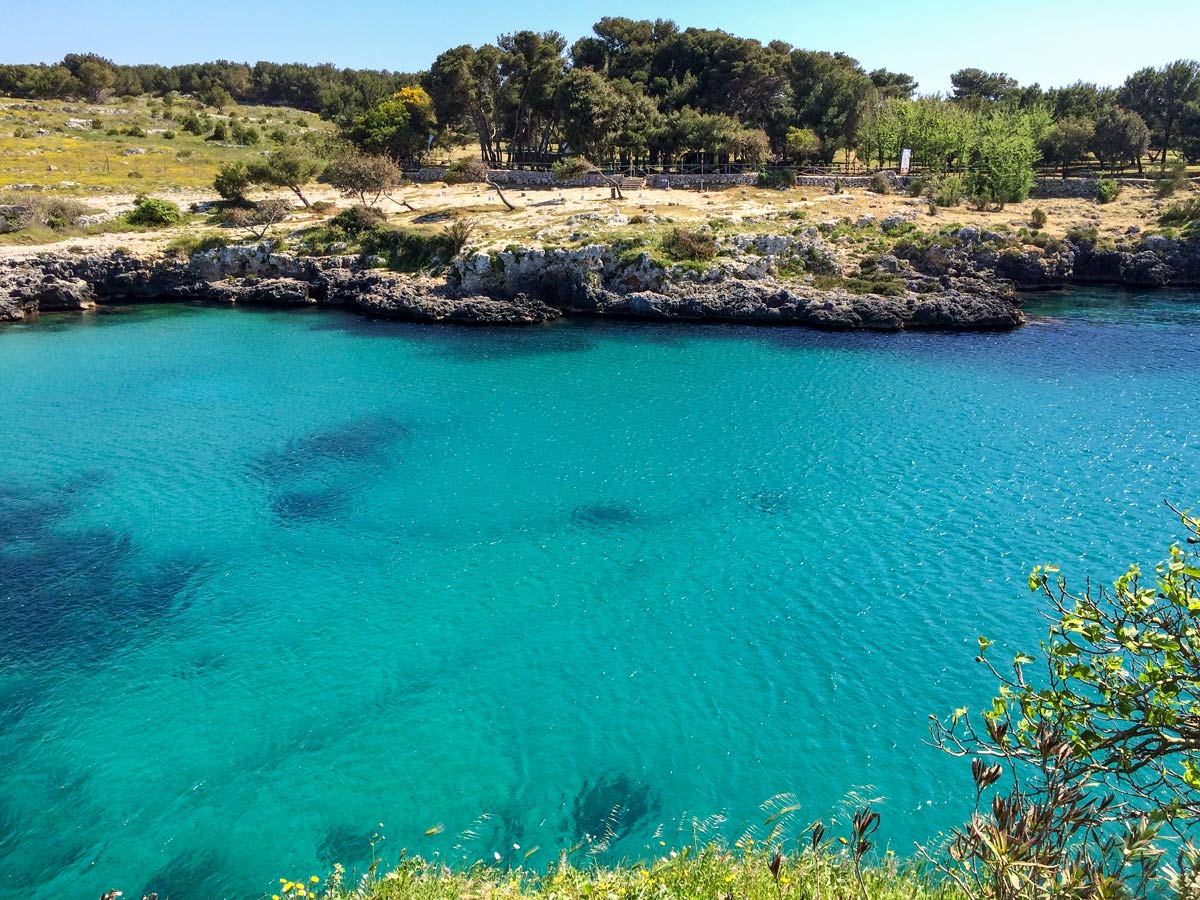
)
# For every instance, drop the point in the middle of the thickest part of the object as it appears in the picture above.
(1079, 234)
(188, 245)
(247, 136)
(168, 135)
(357, 219)
(232, 181)
(1173, 179)
(466, 171)
(457, 234)
(689, 245)
(779, 179)
(880, 183)
(916, 187)
(1038, 217)
(949, 190)
(1181, 213)
(153, 212)
(1107, 190)
(405, 250)
(193, 124)
(571, 167)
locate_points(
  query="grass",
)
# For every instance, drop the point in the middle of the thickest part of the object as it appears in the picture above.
(708, 872)
(41, 234)
(92, 159)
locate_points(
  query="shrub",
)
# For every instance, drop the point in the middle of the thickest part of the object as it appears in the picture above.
(457, 234)
(357, 219)
(247, 136)
(168, 135)
(689, 245)
(188, 245)
(133, 131)
(153, 212)
(948, 190)
(404, 250)
(880, 183)
(278, 135)
(1038, 217)
(779, 179)
(192, 124)
(47, 212)
(916, 187)
(220, 132)
(1181, 213)
(1078, 234)
(258, 218)
(1107, 190)
(323, 206)
(466, 171)
(232, 181)
(1172, 180)
(571, 167)
(1094, 730)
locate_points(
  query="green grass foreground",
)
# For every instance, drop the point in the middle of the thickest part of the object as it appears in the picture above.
(709, 872)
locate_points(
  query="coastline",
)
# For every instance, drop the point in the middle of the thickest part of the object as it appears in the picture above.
(960, 280)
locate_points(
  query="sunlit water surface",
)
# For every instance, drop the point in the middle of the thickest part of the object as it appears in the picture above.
(271, 579)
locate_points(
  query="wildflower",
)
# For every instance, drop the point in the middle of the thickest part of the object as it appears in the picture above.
(497, 855)
(274, 897)
(314, 879)
(516, 846)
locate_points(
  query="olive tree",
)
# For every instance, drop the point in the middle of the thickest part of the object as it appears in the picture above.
(366, 176)
(287, 167)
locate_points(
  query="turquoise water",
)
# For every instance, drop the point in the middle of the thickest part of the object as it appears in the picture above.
(269, 580)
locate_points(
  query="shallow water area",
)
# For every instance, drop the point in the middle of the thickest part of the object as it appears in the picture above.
(271, 579)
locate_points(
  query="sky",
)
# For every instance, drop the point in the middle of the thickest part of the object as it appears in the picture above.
(1050, 42)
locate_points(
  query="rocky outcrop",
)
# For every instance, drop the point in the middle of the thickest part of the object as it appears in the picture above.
(766, 303)
(961, 280)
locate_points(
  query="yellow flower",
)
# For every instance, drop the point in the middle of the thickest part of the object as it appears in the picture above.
(287, 886)
(274, 897)
(314, 879)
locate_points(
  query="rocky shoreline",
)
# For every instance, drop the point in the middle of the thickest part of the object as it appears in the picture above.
(964, 280)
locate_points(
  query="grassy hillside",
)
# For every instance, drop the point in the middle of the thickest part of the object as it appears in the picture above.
(131, 145)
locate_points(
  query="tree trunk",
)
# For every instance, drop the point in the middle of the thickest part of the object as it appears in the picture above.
(503, 199)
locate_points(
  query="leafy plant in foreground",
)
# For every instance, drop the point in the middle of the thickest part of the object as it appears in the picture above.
(1084, 771)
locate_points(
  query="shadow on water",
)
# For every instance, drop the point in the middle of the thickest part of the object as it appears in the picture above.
(197, 873)
(77, 592)
(345, 844)
(604, 515)
(611, 808)
(316, 477)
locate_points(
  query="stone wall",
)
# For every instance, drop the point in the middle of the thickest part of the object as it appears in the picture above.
(1047, 188)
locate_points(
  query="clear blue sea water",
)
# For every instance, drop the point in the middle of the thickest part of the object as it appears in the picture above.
(274, 582)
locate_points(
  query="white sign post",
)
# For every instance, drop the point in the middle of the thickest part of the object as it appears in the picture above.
(905, 160)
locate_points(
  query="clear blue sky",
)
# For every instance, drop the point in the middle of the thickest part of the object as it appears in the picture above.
(1050, 42)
